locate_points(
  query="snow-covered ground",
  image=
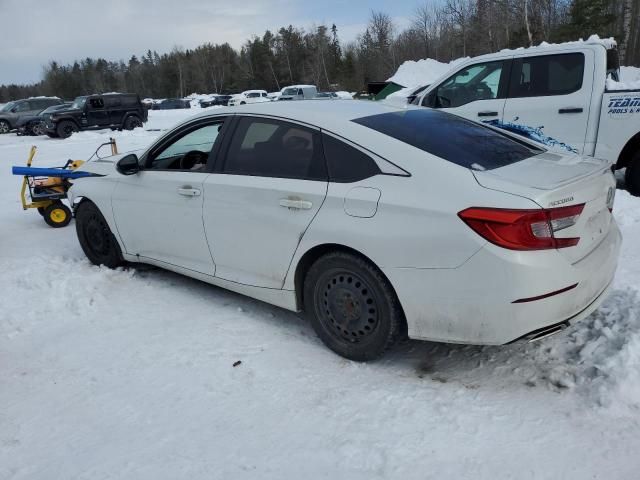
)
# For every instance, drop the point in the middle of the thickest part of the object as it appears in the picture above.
(129, 374)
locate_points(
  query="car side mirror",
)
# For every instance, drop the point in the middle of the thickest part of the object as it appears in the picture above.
(128, 165)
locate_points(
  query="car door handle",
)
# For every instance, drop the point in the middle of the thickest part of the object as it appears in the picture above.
(188, 191)
(571, 110)
(296, 203)
(487, 114)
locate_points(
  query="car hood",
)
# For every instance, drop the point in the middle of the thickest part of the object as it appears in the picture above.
(65, 111)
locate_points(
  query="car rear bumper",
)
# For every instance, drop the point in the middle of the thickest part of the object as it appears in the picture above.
(499, 295)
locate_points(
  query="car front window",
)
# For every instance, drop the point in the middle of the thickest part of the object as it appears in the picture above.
(8, 107)
(79, 103)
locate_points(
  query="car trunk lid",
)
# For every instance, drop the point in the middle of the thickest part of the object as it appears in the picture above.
(553, 181)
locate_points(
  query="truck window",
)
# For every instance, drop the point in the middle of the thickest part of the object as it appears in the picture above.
(546, 75)
(96, 103)
(476, 82)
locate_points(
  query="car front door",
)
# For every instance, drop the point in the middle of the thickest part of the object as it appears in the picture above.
(549, 98)
(95, 113)
(158, 211)
(261, 199)
(476, 92)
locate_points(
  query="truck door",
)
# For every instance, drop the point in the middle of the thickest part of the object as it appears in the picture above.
(476, 92)
(96, 115)
(549, 96)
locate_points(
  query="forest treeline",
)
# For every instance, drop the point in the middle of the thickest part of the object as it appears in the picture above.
(442, 30)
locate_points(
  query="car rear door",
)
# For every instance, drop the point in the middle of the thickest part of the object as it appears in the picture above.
(476, 91)
(261, 199)
(549, 98)
(158, 211)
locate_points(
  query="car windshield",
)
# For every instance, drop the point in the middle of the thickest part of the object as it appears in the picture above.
(451, 138)
(290, 91)
(79, 102)
(7, 107)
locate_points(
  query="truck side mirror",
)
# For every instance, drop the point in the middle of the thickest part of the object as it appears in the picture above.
(128, 165)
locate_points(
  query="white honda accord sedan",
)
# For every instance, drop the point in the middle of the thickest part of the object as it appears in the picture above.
(376, 221)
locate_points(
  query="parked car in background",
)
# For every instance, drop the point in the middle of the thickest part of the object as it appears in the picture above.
(565, 96)
(249, 96)
(375, 221)
(35, 124)
(326, 96)
(12, 112)
(298, 92)
(112, 110)
(215, 100)
(171, 104)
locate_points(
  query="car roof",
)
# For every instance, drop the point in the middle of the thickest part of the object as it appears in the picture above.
(320, 114)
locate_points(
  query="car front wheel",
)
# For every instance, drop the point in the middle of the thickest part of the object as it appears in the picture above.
(4, 126)
(352, 306)
(66, 128)
(95, 236)
(132, 122)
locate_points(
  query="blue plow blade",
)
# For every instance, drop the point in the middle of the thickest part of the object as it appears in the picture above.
(49, 172)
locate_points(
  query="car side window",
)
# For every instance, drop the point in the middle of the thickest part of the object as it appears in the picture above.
(189, 151)
(272, 148)
(546, 75)
(24, 107)
(476, 82)
(95, 103)
(347, 164)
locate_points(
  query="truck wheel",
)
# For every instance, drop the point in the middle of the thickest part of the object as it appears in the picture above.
(66, 128)
(4, 126)
(52, 135)
(632, 176)
(132, 122)
(57, 215)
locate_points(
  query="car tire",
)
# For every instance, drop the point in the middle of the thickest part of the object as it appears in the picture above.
(57, 215)
(243, 103)
(132, 122)
(4, 127)
(632, 175)
(66, 128)
(37, 129)
(52, 135)
(351, 306)
(95, 237)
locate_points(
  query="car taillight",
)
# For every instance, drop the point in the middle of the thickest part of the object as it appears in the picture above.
(523, 229)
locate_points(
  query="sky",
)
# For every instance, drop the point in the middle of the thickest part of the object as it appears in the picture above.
(65, 30)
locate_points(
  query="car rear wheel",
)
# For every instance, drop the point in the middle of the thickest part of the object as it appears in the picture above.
(66, 128)
(352, 306)
(132, 122)
(632, 176)
(37, 129)
(4, 126)
(95, 236)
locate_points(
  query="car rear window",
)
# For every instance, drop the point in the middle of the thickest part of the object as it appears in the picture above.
(451, 138)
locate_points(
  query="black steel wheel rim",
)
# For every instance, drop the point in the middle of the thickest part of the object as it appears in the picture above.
(347, 306)
(68, 129)
(97, 235)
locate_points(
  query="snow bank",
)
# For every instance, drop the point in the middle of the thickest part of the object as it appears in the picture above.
(344, 95)
(423, 72)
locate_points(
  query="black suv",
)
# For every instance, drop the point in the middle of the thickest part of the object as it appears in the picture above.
(111, 110)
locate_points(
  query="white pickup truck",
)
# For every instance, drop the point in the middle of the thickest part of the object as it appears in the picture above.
(559, 95)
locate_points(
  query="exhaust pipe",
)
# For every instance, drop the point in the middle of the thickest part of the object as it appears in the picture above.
(547, 332)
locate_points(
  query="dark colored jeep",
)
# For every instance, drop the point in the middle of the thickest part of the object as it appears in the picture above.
(111, 110)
